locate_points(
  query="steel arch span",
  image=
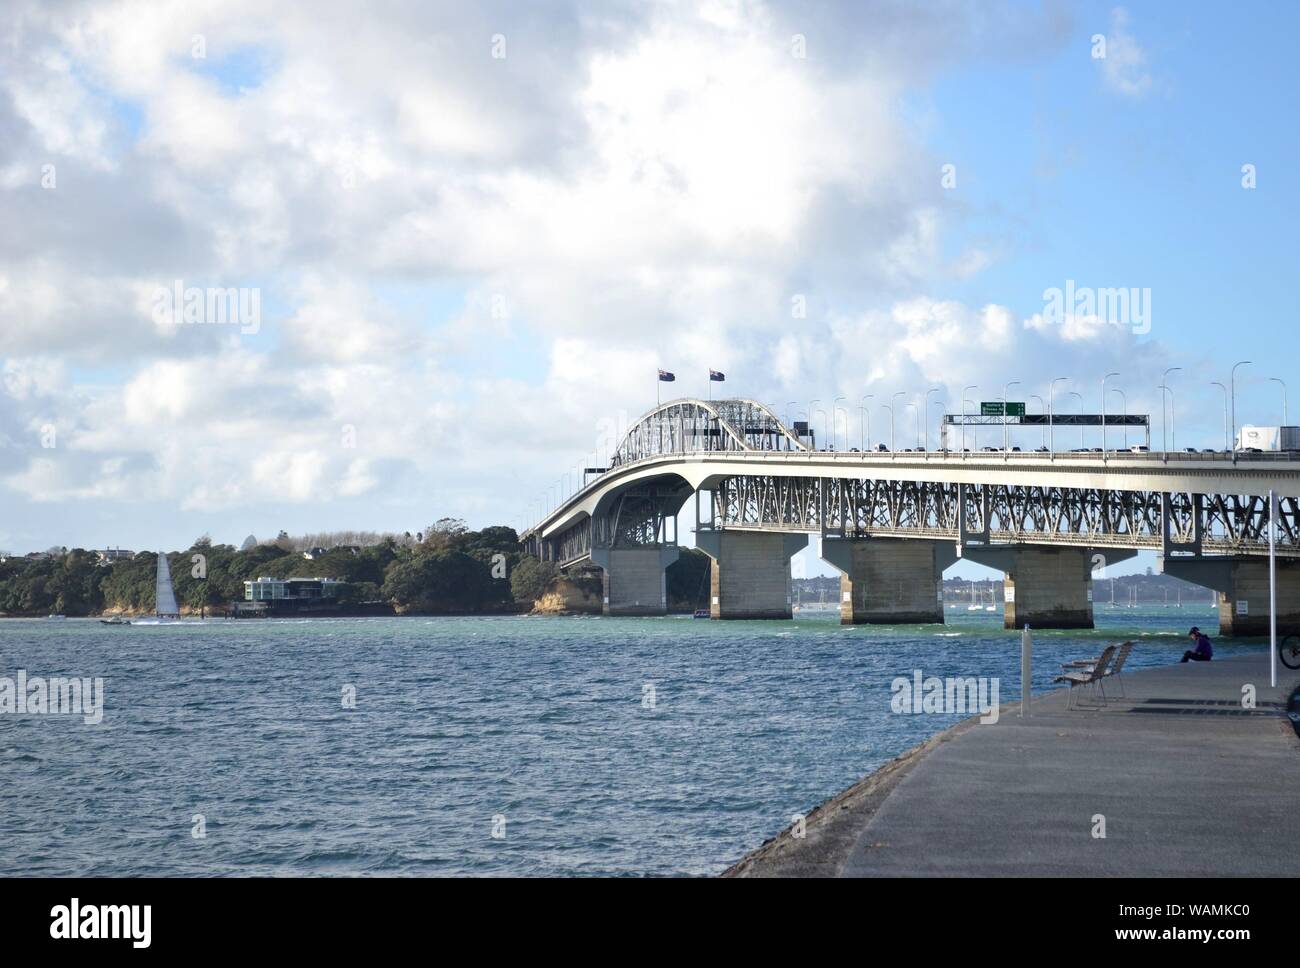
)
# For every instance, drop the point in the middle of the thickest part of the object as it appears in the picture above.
(710, 426)
(643, 513)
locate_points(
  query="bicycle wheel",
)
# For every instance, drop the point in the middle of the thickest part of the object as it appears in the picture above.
(1289, 651)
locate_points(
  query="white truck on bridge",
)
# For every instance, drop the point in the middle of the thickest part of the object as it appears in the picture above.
(1268, 438)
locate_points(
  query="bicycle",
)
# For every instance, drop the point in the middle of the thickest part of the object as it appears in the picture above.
(1289, 651)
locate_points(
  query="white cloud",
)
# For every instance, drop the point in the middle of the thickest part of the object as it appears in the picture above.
(338, 320)
(646, 187)
(67, 119)
(1124, 68)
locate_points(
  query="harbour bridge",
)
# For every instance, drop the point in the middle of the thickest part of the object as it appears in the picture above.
(892, 521)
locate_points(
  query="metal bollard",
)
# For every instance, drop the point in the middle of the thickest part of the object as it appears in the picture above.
(1026, 669)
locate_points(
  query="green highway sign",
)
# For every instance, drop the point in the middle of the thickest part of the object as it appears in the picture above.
(994, 408)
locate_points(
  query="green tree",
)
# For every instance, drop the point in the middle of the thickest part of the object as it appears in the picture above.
(438, 583)
(445, 534)
(529, 578)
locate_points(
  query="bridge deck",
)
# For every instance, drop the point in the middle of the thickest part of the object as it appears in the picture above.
(761, 474)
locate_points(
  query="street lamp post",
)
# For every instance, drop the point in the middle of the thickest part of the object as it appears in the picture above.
(1076, 393)
(1227, 440)
(823, 413)
(1124, 397)
(1051, 429)
(890, 408)
(1173, 422)
(1103, 411)
(1005, 388)
(927, 414)
(917, 415)
(894, 406)
(1172, 440)
(1041, 408)
(811, 411)
(835, 414)
(1232, 380)
(1163, 390)
(864, 421)
(1280, 382)
(963, 414)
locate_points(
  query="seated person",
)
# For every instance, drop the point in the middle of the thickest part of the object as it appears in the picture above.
(1203, 651)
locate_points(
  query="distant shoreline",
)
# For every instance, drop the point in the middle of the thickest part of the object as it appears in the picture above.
(381, 610)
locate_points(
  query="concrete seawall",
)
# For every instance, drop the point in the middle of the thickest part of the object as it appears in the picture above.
(1177, 779)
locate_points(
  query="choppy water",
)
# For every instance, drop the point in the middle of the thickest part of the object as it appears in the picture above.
(539, 720)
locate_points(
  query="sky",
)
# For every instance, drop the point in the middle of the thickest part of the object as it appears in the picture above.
(468, 235)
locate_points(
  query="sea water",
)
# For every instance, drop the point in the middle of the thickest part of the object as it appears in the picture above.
(486, 746)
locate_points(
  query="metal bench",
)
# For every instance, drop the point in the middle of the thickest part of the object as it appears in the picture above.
(1090, 677)
(1116, 667)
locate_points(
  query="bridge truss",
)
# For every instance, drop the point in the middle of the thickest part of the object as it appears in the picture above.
(1004, 513)
(643, 514)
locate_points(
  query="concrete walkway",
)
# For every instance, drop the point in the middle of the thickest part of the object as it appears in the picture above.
(1189, 783)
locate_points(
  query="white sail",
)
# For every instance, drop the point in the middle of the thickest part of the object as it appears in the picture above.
(165, 595)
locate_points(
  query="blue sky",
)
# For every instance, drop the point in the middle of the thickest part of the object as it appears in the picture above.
(478, 263)
(1144, 191)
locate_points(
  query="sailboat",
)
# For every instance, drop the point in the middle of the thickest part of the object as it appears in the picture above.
(991, 606)
(165, 609)
(974, 605)
(164, 594)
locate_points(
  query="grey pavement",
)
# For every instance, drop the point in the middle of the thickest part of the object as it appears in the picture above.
(1187, 780)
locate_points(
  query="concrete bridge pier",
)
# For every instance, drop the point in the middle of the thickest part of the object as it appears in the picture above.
(890, 581)
(1242, 584)
(634, 580)
(1047, 587)
(751, 572)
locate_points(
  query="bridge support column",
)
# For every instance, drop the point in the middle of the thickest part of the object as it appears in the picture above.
(751, 572)
(634, 582)
(1242, 584)
(890, 581)
(1047, 587)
